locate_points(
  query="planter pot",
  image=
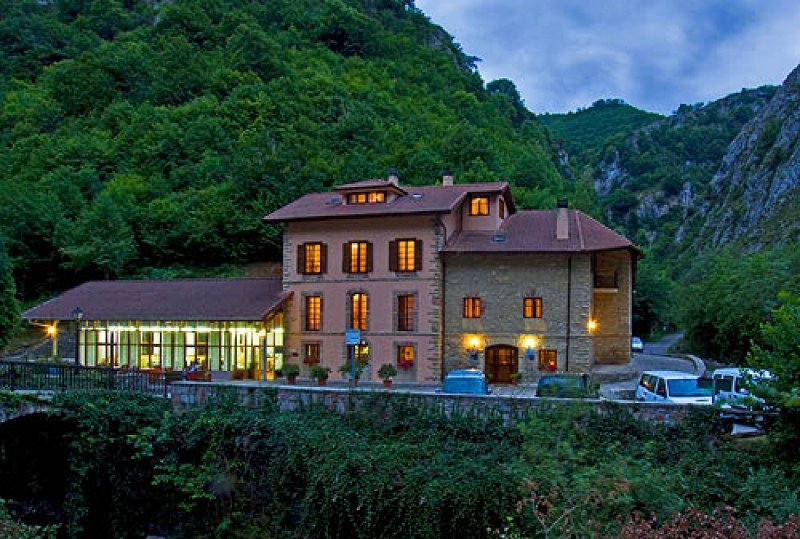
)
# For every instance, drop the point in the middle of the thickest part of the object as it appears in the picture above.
(514, 382)
(322, 381)
(291, 380)
(387, 383)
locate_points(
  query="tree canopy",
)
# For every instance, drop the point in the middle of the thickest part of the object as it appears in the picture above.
(135, 135)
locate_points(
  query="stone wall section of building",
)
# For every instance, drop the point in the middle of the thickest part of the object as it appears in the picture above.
(612, 308)
(502, 281)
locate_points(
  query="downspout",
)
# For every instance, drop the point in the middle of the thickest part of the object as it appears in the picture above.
(442, 287)
(569, 309)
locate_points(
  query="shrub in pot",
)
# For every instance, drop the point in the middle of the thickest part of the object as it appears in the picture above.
(516, 378)
(320, 374)
(387, 372)
(291, 371)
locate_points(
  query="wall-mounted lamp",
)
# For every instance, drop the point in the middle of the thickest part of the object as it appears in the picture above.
(52, 331)
(591, 325)
(473, 344)
(530, 347)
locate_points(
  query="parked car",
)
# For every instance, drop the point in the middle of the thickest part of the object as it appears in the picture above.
(731, 385)
(674, 386)
(565, 385)
(466, 382)
(637, 345)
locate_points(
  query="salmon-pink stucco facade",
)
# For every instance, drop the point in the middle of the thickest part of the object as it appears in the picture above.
(374, 256)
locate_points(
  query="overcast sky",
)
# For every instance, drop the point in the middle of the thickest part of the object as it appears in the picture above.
(654, 54)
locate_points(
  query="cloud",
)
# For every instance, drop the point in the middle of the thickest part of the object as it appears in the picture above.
(656, 54)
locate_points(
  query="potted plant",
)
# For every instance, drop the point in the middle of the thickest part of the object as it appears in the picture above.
(320, 374)
(345, 370)
(387, 371)
(515, 378)
(290, 370)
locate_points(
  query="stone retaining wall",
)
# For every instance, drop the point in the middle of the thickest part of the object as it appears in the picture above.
(188, 394)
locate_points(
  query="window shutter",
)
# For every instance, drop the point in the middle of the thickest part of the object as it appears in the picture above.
(369, 257)
(323, 258)
(301, 258)
(418, 255)
(393, 256)
(346, 258)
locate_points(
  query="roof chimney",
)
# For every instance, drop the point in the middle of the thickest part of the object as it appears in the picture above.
(447, 177)
(393, 178)
(562, 219)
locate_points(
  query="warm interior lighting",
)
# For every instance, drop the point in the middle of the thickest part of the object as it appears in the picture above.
(473, 342)
(52, 331)
(530, 343)
(591, 325)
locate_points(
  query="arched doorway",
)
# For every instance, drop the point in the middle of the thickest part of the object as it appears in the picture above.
(501, 362)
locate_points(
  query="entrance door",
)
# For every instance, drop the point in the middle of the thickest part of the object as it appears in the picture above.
(501, 362)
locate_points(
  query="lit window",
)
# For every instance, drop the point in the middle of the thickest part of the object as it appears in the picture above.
(358, 311)
(361, 354)
(548, 360)
(311, 353)
(502, 209)
(472, 307)
(479, 205)
(406, 257)
(532, 307)
(371, 197)
(356, 257)
(313, 313)
(405, 312)
(313, 258)
(405, 356)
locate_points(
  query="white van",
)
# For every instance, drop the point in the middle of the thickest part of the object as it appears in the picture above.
(674, 386)
(730, 384)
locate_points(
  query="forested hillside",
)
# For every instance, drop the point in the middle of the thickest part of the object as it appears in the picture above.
(139, 138)
(710, 194)
(584, 131)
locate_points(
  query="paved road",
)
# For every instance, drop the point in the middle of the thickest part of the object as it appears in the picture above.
(661, 347)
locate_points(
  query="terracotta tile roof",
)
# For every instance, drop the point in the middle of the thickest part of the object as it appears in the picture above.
(179, 299)
(368, 184)
(420, 199)
(535, 231)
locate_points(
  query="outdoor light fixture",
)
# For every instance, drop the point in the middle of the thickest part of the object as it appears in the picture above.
(51, 331)
(473, 343)
(530, 346)
(591, 325)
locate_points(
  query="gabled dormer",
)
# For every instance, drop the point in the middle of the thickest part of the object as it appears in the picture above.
(377, 191)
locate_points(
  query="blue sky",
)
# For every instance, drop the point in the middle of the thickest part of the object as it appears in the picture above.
(654, 54)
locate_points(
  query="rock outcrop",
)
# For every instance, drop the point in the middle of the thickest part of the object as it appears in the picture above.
(754, 195)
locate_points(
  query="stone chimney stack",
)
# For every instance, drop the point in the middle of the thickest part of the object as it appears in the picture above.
(393, 178)
(447, 177)
(562, 220)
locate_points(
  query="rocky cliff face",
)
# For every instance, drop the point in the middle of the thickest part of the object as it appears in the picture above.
(754, 196)
(655, 181)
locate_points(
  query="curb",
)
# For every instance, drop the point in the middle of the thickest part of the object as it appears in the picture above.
(699, 365)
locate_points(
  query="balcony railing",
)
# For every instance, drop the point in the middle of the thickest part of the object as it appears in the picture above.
(606, 281)
(44, 376)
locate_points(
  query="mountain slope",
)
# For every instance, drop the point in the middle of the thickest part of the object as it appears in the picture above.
(137, 135)
(754, 197)
(655, 178)
(587, 129)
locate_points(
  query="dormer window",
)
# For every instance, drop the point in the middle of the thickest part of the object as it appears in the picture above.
(479, 205)
(369, 197)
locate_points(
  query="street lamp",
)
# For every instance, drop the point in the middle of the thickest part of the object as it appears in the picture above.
(77, 316)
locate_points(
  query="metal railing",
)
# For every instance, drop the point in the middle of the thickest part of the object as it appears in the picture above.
(48, 376)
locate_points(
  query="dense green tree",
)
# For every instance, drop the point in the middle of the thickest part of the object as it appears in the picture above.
(183, 123)
(100, 238)
(9, 306)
